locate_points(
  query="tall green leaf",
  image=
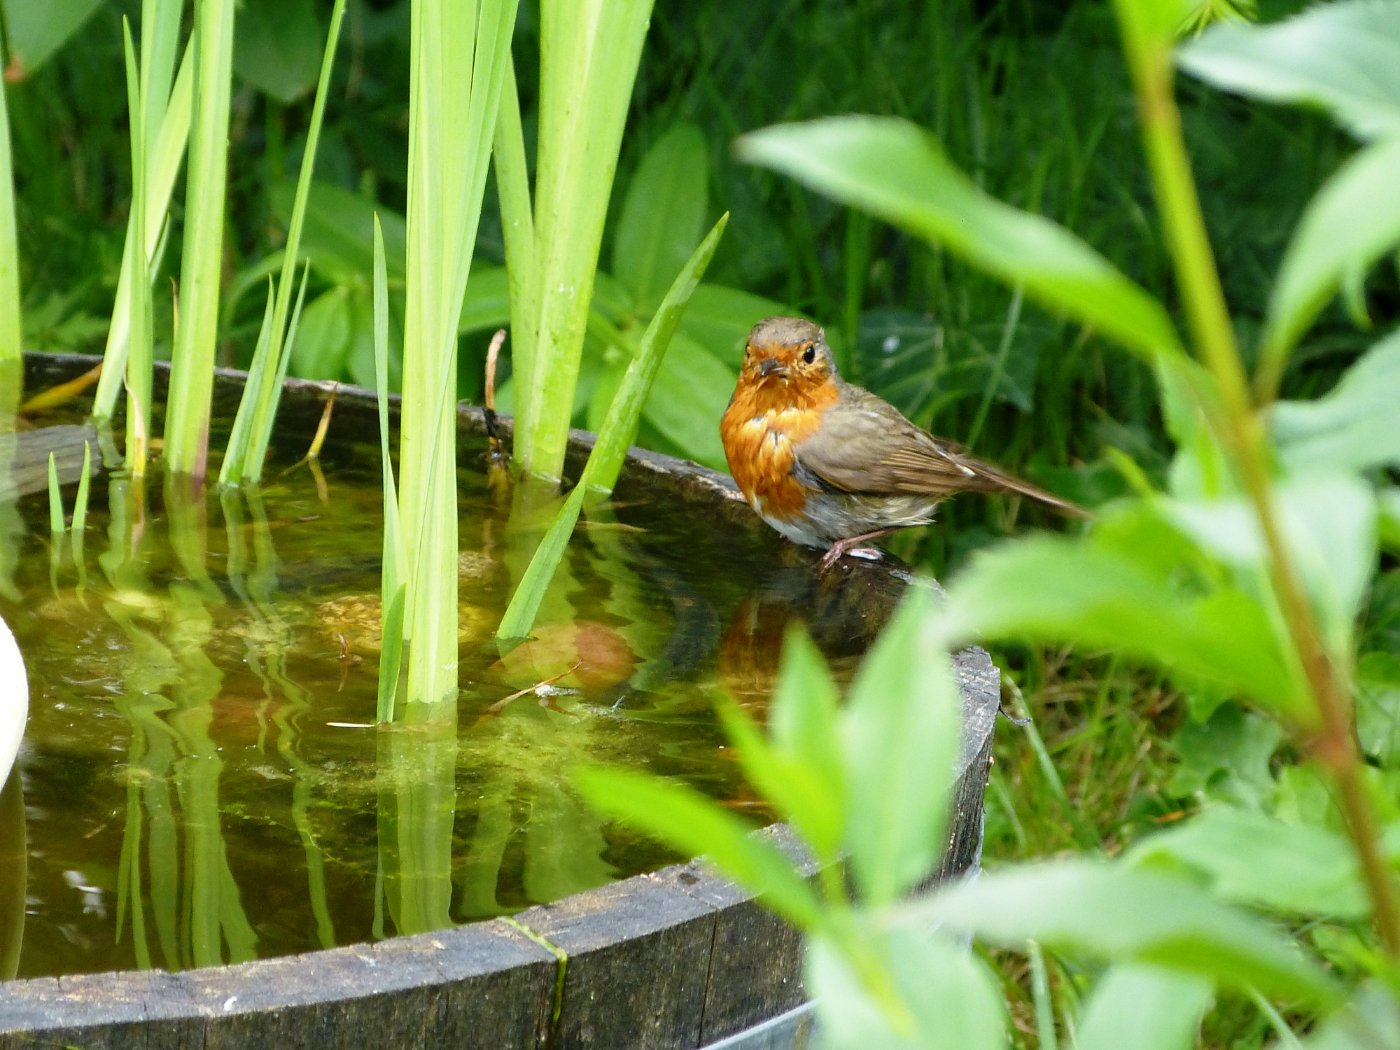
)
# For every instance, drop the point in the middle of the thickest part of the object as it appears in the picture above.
(899, 172)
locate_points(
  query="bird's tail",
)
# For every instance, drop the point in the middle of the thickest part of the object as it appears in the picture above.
(994, 479)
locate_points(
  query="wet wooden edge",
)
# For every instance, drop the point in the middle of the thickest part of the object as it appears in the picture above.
(676, 958)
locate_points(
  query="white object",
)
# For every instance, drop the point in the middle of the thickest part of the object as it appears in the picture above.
(14, 700)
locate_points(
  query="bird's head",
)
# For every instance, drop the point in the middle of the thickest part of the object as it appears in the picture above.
(788, 353)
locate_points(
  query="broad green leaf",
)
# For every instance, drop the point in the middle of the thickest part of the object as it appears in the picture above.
(900, 733)
(1086, 592)
(689, 394)
(1251, 858)
(1347, 227)
(933, 995)
(1351, 428)
(277, 46)
(802, 795)
(898, 172)
(1143, 1008)
(1329, 527)
(694, 824)
(1344, 57)
(663, 213)
(34, 31)
(1126, 915)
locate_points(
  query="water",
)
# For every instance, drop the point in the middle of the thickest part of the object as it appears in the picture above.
(201, 779)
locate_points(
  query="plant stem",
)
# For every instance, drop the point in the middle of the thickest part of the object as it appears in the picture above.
(1240, 429)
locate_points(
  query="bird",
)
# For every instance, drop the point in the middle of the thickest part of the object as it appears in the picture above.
(831, 465)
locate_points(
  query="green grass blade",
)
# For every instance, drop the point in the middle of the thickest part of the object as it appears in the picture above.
(140, 351)
(606, 459)
(261, 401)
(80, 503)
(392, 588)
(55, 500)
(164, 162)
(10, 323)
(192, 364)
(620, 424)
(588, 63)
(529, 592)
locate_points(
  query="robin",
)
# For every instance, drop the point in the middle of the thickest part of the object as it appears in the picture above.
(830, 465)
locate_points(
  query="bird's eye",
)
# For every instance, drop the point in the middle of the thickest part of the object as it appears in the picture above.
(810, 354)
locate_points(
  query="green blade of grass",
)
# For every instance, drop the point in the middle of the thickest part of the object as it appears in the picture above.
(140, 351)
(588, 63)
(606, 459)
(55, 500)
(620, 424)
(392, 588)
(164, 160)
(192, 363)
(10, 331)
(243, 461)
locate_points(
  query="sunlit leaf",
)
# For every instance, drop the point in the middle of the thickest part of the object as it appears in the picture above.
(1371, 1021)
(1344, 57)
(901, 733)
(1347, 227)
(1127, 915)
(939, 996)
(694, 824)
(1251, 858)
(803, 715)
(1051, 588)
(1352, 427)
(1143, 1008)
(1329, 527)
(898, 172)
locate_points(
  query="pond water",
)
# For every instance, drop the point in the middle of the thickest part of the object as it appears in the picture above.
(202, 781)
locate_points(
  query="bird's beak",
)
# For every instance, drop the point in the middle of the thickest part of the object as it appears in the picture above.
(770, 366)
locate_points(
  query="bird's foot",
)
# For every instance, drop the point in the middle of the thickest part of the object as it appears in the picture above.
(850, 546)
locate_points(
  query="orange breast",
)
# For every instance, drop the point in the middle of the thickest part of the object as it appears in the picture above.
(763, 424)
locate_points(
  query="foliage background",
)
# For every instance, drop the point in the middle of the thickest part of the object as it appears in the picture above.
(1029, 96)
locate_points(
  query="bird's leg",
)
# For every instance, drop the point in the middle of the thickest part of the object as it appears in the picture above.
(840, 548)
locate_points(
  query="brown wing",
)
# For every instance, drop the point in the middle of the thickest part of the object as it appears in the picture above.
(866, 446)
